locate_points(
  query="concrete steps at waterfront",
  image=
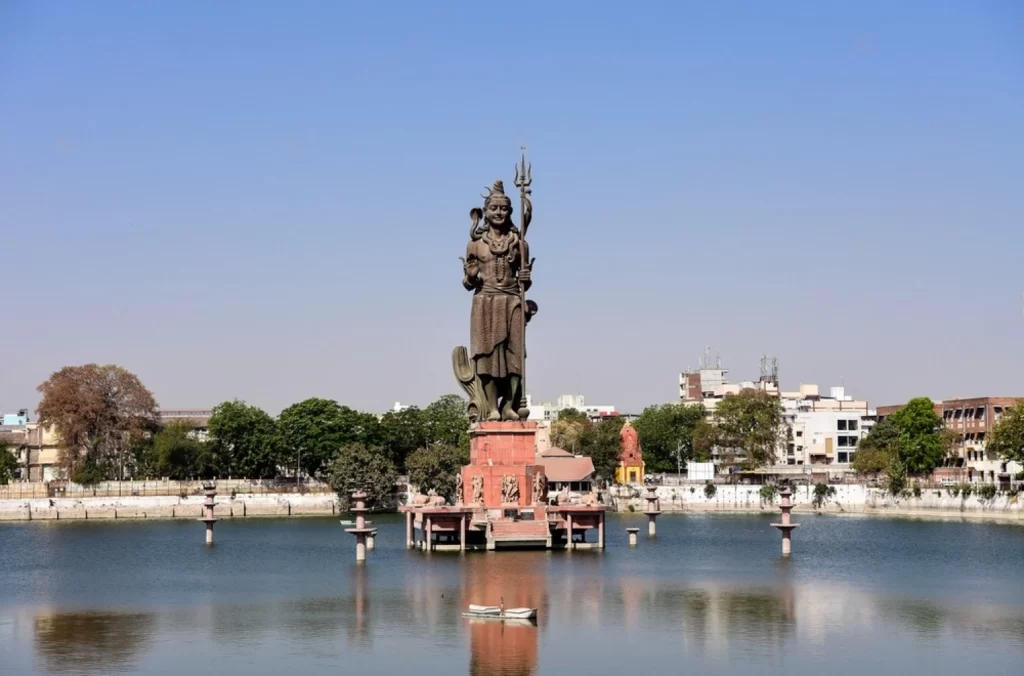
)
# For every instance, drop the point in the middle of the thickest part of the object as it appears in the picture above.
(522, 532)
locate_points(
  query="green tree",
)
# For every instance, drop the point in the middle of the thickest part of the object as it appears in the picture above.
(895, 475)
(663, 430)
(435, 467)
(8, 464)
(877, 448)
(1007, 437)
(402, 432)
(313, 430)
(445, 422)
(749, 426)
(600, 441)
(822, 494)
(573, 415)
(921, 444)
(360, 467)
(871, 459)
(140, 452)
(567, 429)
(705, 436)
(89, 472)
(176, 453)
(247, 439)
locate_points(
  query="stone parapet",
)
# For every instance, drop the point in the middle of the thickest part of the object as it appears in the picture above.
(165, 507)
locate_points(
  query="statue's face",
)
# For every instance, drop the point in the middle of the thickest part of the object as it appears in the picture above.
(498, 212)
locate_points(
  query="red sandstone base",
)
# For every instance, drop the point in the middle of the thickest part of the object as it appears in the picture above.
(497, 450)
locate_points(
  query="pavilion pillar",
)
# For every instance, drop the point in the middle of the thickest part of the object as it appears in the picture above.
(600, 531)
(426, 534)
(462, 533)
(408, 531)
(568, 530)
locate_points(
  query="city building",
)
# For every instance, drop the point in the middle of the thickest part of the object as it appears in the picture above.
(696, 384)
(973, 420)
(823, 430)
(199, 418)
(565, 471)
(16, 419)
(820, 430)
(631, 462)
(41, 453)
(548, 411)
(36, 448)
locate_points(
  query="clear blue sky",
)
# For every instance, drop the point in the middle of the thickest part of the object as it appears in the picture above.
(267, 200)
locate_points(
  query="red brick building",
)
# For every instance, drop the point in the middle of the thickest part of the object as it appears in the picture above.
(973, 420)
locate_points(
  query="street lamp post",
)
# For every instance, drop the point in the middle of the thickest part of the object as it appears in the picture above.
(679, 460)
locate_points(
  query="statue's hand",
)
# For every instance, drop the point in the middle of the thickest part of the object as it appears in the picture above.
(471, 270)
(525, 274)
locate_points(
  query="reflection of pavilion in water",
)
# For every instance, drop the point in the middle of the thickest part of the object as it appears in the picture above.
(520, 579)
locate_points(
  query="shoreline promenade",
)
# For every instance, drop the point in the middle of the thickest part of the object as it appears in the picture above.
(856, 501)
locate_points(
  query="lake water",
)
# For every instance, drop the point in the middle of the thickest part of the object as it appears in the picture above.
(709, 595)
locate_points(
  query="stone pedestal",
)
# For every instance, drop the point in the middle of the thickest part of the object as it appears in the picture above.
(360, 531)
(785, 526)
(497, 450)
(210, 490)
(632, 536)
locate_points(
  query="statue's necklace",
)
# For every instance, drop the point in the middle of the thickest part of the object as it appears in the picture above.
(499, 246)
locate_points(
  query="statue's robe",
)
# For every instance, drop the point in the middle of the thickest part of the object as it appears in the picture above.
(496, 326)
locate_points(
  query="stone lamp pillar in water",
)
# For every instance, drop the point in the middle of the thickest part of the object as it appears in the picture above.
(785, 526)
(208, 518)
(652, 510)
(360, 531)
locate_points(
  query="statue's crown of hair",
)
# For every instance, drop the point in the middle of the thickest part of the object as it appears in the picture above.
(496, 191)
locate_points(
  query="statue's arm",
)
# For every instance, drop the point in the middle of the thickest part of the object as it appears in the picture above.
(471, 269)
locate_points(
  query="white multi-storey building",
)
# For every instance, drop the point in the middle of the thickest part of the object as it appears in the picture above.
(819, 429)
(547, 410)
(823, 430)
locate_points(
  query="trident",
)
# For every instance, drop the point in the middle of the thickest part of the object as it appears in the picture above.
(523, 180)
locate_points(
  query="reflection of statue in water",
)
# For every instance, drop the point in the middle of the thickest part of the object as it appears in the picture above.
(540, 489)
(508, 648)
(478, 490)
(510, 490)
(497, 270)
(459, 492)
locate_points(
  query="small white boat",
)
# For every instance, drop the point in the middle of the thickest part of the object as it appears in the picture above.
(504, 620)
(496, 612)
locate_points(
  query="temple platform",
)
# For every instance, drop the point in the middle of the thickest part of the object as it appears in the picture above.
(503, 503)
(473, 528)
